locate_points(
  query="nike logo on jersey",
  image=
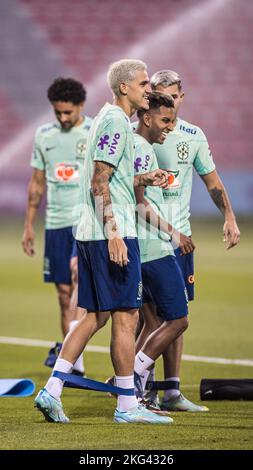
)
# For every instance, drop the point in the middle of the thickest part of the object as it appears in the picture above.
(50, 148)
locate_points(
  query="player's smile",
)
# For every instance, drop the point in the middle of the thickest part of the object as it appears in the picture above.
(164, 135)
(146, 97)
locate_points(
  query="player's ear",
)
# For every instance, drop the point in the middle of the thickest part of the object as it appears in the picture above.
(182, 96)
(81, 105)
(123, 89)
(146, 119)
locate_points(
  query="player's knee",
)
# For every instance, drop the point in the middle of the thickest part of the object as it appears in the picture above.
(127, 321)
(184, 323)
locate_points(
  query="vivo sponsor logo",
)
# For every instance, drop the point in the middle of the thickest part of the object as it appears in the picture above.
(114, 144)
(105, 142)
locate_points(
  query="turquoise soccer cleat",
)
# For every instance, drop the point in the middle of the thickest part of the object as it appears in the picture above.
(140, 414)
(180, 403)
(50, 407)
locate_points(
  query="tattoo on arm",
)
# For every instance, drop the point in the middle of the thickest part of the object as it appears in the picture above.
(142, 180)
(217, 196)
(34, 199)
(138, 181)
(36, 188)
(100, 188)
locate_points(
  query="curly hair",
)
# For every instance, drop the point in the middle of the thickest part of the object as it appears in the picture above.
(156, 100)
(67, 90)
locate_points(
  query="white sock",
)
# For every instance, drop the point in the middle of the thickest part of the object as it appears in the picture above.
(54, 385)
(173, 392)
(151, 394)
(144, 378)
(142, 362)
(126, 402)
(79, 362)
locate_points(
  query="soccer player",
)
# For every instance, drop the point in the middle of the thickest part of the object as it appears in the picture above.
(109, 270)
(163, 283)
(184, 149)
(57, 161)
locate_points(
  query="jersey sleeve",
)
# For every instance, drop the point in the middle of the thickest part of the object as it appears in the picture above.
(37, 158)
(143, 159)
(203, 162)
(111, 142)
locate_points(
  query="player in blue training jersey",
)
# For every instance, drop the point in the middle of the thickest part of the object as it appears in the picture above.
(109, 270)
(57, 161)
(184, 149)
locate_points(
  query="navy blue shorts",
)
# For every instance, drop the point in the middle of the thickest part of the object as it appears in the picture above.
(102, 284)
(74, 250)
(58, 250)
(163, 285)
(186, 264)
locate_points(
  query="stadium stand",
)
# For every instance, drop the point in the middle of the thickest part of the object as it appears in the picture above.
(208, 43)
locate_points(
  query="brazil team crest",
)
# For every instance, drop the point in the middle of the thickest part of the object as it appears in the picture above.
(81, 147)
(183, 150)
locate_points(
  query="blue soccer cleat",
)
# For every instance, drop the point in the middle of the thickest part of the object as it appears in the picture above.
(140, 414)
(50, 407)
(180, 403)
(53, 355)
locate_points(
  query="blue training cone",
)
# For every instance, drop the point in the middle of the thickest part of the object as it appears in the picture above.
(16, 387)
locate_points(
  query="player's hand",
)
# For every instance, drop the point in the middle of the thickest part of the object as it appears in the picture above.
(118, 251)
(28, 241)
(179, 240)
(157, 178)
(231, 233)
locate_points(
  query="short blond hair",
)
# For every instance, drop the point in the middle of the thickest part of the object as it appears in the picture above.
(123, 71)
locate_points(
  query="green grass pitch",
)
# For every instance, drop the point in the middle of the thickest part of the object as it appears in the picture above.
(221, 325)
